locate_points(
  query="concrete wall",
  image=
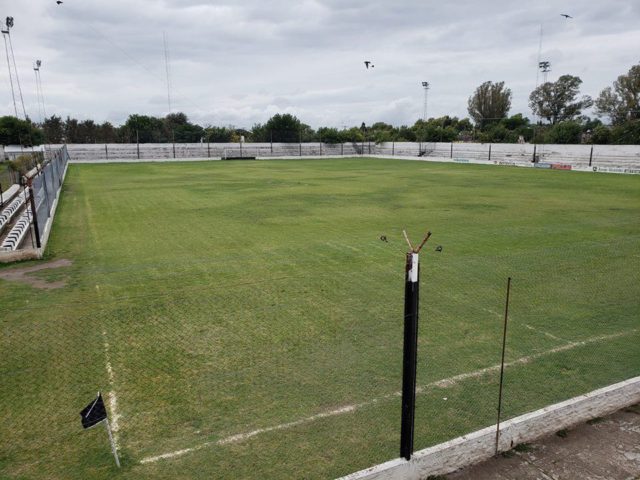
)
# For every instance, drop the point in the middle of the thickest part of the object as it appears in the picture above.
(477, 446)
(612, 156)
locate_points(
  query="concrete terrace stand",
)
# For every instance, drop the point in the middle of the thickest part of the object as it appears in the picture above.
(480, 445)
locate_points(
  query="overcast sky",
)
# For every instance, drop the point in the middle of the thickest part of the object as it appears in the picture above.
(239, 62)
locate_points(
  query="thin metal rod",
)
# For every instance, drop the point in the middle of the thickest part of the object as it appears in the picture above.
(404, 232)
(15, 70)
(13, 94)
(504, 344)
(113, 444)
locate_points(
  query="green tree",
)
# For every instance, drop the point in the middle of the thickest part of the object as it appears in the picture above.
(329, 135)
(489, 103)
(565, 133)
(558, 101)
(622, 102)
(107, 133)
(218, 134)
(53, 129)
(601, 135)
(147, 129)
(71, 133)
(285, 128)
(14, 131)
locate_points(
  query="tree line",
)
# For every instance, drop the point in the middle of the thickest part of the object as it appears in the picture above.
(558, 107)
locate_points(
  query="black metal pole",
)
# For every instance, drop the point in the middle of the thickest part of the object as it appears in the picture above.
(504, 344)
(451, 153)
(489, 152)
(35, 217)
(591, 156)
(341, 148)
(410, 354)
(138, 144)
(208, 146)
(271, 135)
(393, 148)
(300, 142)
(106, 151)
(534, 154)
(173, 138)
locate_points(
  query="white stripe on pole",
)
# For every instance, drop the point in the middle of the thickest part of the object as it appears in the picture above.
(413, 273)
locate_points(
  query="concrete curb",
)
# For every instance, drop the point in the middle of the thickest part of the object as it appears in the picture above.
(480, 445)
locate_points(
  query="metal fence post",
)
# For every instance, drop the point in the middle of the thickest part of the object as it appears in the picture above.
(34, 212)
(300, 142)
(451, 152)
(489, 152)
(591, 155)
(138, 144)
(504, 343)
(393, 148)
(106, 151)
(342, 148)
(533, 160)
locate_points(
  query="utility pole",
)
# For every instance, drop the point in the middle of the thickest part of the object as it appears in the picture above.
(5, 33)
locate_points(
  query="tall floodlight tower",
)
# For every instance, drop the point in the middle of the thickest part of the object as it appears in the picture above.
(425, 86)
(5, 34)
(545, 68)
(36, 70)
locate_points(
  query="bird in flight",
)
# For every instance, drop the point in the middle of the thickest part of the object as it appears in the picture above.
(367, 63)
(59, 2)
(565, 15)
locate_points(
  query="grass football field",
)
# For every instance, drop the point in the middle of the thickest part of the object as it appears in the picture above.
(243, 319)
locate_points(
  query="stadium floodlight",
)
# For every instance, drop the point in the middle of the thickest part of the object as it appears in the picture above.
(426, 87)
(545, 68)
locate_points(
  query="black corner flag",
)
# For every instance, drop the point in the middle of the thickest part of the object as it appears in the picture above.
(93, 413)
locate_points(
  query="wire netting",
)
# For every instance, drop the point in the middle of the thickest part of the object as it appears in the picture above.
(244, 319)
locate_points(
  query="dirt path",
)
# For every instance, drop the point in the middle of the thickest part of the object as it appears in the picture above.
(22, 274)
(605, 448)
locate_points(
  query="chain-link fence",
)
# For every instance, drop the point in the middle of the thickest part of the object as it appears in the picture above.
(45, 185)
(244, 320)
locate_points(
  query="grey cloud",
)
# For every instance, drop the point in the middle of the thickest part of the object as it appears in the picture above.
(240, 62)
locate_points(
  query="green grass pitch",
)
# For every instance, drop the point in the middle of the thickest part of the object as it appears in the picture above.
(248, 312)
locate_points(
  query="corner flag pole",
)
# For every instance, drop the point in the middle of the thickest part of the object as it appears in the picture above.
(410, 349)
(95, 413)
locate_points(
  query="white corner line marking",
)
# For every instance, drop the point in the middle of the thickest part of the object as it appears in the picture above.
(113, 400)
(444, 383)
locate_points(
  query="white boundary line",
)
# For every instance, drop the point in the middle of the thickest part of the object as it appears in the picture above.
(113, 400)
(444, 383)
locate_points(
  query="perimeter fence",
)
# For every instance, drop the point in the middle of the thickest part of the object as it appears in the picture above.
(284, 361)
(543, 156)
